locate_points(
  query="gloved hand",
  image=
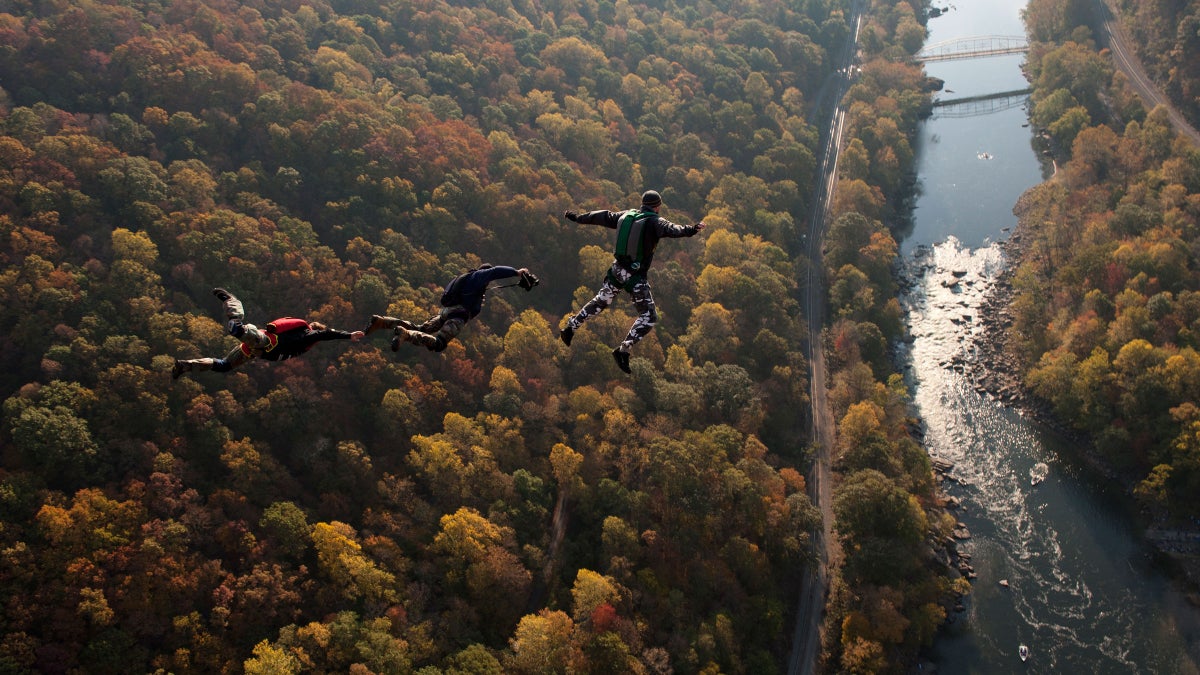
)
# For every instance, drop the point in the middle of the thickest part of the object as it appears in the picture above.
(528, 280)
(236, 329)
(572, 216)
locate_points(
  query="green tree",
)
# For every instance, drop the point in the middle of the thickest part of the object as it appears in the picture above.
(288, 525)
(1047, 109)
(1078, 69)
(128, 180)
(55, 439)
(881, 527)
(475, 659)
(1067, 126)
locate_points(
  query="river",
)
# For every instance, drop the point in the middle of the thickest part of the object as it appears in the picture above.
(1061, 565)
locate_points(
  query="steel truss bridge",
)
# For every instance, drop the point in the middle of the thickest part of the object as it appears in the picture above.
(973, 47)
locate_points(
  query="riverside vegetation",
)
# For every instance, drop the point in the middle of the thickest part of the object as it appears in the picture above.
(892, 584)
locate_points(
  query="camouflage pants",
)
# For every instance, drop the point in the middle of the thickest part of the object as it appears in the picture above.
(618, 279)
(254, 341)
(437, 331)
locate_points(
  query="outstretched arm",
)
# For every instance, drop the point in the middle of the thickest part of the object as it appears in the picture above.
(602, 217)
(668, 229)
(335, 334)
(486, 276)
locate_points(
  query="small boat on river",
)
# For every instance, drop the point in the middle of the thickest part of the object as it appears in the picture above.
(1023, 651)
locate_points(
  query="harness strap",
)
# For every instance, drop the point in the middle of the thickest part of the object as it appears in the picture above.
(271, 338)
(628, 284)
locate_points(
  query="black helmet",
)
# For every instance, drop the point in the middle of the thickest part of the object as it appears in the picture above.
(651, 198)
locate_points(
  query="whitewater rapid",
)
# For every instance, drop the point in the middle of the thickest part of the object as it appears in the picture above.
(1060, 566)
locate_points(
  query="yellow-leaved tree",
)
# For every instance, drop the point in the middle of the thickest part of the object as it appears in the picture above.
(341, 558)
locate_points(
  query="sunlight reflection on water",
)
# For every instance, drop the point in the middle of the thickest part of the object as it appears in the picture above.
(1080, 591)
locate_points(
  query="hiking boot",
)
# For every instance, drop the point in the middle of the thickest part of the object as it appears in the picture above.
(377, 322)
(222, 294)
(178, 369)
(622, 359)
(566, 334)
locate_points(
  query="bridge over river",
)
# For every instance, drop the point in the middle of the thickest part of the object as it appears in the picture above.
(983, 104)
(973, 47)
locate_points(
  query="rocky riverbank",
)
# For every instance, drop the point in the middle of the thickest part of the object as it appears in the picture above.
(991, 368)
(996, 372)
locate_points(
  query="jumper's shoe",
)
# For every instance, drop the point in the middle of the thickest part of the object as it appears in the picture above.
(222, 294)
(377, 322)
(178, 369)
(566, 334)
(622, 359)
(400, 334)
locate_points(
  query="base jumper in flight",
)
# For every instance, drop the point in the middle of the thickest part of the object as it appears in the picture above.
(638, 232)
(279, 340)
(461, 301)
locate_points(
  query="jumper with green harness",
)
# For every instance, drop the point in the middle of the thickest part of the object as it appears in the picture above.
(630, 250)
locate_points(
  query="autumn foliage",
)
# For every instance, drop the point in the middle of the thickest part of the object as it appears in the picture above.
(1113, 350)
(508, 505)
(891, 584)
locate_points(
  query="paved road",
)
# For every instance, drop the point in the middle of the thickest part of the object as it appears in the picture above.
(1125, 59)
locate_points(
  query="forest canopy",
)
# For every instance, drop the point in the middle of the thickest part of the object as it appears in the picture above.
(508, 504)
